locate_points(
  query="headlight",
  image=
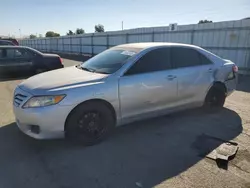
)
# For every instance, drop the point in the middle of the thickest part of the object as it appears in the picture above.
(40, 101)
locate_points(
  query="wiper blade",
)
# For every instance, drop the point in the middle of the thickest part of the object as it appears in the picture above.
(101, 72)
(87, 69)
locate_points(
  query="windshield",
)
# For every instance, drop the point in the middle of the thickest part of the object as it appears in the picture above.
(108, 61)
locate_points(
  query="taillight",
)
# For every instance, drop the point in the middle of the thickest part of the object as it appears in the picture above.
(235, 69)
(61, 60)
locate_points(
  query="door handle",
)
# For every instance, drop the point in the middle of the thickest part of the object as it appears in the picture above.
(171, 77)
(210, 70)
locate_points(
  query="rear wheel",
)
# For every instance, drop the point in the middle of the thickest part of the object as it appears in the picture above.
(216, 97)
(89, 123)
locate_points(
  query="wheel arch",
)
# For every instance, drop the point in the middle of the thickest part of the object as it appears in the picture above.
(217, 84)
(220, 85)
(106, 103)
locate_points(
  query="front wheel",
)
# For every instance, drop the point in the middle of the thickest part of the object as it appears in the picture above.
(89, 123)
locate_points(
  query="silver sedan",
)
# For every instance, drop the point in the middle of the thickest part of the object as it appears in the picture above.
(123, 84)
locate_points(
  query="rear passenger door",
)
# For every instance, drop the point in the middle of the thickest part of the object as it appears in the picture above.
(194, 74)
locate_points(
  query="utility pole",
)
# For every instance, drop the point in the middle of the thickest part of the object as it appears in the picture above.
(20, 33)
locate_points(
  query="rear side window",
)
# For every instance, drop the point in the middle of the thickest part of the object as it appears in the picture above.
(185, 57)
(22, 53)
(204, 60)
(155, 60)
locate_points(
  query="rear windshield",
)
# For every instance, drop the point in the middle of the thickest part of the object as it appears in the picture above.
(34, 51)
(108, 61)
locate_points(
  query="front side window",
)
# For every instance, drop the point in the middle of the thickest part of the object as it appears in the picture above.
(184, 57)
(108, 61)
(205, 60)
(155, 60)
(22, 53)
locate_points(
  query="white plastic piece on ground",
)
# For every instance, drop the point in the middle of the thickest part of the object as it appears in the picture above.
(224, 151)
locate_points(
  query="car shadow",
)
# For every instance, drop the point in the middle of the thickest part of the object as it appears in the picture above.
(243, 83)
(14, 76)
(148, 152)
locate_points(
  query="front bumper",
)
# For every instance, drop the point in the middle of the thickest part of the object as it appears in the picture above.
(50, 119)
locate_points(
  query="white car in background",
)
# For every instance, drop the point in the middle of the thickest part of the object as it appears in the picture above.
(123, 84)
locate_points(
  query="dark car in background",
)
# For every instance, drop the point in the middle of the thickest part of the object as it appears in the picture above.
(6, 43)
(14, 41)
(20, 58)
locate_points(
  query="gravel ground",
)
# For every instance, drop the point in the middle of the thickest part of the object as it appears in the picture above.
(160, 152)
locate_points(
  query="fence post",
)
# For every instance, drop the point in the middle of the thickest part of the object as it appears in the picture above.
(126, 37)
(70, 44)
(46, 49)
(92, 45)
(153, 36)
(192, 37)
(80, 45)
(50, 44)
(57, 45)
(107, 41)
(62, 44)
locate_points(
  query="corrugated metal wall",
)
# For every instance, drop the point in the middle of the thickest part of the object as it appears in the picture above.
(230, 40)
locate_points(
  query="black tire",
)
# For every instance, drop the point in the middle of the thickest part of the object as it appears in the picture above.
(89, 123)
(215, 98)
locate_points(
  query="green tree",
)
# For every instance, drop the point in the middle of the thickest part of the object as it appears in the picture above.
(52, 34)
(99, 28)
(79, 31)
(205, 21)
(32, 36)
(56, 35)
(70, 33)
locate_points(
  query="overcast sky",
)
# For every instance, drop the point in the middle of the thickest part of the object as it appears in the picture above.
(39, 16)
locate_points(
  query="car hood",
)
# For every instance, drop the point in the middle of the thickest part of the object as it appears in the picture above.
(64, 78)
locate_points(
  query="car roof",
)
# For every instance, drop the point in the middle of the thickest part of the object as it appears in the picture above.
(21, 47)
(6, 41)
(6, 46)
(145, 45)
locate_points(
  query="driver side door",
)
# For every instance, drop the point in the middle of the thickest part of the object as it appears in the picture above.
(148, 87)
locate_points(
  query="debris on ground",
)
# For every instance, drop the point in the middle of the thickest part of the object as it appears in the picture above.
(216, 149)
